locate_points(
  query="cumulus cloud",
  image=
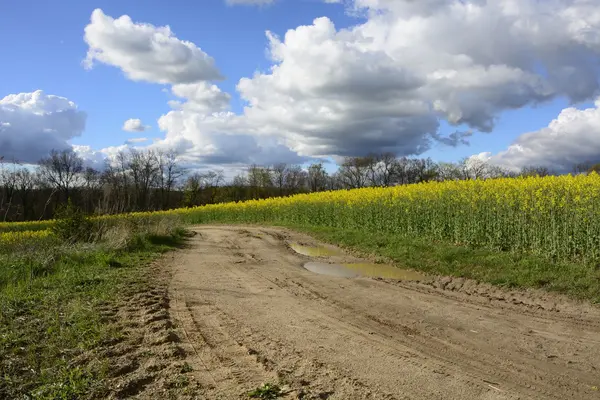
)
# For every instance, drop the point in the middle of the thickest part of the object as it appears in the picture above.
(572, 138)
(220, 138)
(200, 97)
(384, 84)
(32, 124)
(145, 52)
(136, 140)
(134, 125)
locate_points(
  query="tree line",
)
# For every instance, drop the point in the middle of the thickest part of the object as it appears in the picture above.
(148, 180)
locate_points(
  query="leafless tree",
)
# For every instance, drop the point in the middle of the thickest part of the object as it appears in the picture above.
(473, 168)
(211, 181)
(448, 171)
(8, 185)
(25, 181)
(193, 190)
(144, 169)
(169, 172)
(61, 170)
(279, 173)
(353, 172)
(317, 177)
(582, 168)
(535, 170)
(295, 179)
(382, 169)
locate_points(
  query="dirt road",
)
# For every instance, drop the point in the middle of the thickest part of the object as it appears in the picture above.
(251, 314)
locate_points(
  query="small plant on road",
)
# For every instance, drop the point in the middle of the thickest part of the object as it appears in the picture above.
(267, 391)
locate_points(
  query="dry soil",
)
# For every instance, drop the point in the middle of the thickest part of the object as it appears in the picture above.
(246, 312)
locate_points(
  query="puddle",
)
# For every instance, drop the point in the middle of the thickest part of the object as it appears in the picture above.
(330, 269)
(314, 251)
(364, 269)
(385, 271)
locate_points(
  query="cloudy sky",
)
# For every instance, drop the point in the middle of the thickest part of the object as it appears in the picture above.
(234, 82)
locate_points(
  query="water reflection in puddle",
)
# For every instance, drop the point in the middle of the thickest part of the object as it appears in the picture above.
(364, 269)
(314, 251)
(330, 269)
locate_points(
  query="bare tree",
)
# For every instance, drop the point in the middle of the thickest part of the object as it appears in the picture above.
(473, 168)
(279, 173)
(61, 170)
(317, 177)
(295, 178)
(402, 171)
(192, 190)
(448, 171)
(169, 172)
(423, 170)
(353, 172)
(381, 169)
(259, 178)
(211, 181)
(8, 183)
(90, 184)
(25, 181)
(144, 172)
(582, 168)
(535, 170)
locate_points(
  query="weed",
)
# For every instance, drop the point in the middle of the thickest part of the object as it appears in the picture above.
(268, 391)
(185, 368)
(180, 381)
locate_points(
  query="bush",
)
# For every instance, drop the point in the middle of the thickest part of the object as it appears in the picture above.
(73, 225)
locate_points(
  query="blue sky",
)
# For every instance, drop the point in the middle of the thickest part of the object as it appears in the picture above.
(43, 48)
(45, 42)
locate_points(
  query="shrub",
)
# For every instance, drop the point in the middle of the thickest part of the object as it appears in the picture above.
(73, 225)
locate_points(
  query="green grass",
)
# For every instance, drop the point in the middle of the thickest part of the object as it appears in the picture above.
(268, 391)
(50, 311)
(506, 269)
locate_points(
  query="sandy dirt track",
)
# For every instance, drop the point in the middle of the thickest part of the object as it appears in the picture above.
(249, 313)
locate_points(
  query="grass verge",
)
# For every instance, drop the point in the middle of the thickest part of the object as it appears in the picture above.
(51, 297)
(505, 269)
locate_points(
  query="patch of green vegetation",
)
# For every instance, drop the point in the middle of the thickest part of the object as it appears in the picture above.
(51, 303)
(185, 368)
(506, 269)
(268, 391)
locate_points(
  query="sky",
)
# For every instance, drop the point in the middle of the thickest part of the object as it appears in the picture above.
(227, 83)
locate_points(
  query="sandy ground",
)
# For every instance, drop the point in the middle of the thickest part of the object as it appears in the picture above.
(248, 313)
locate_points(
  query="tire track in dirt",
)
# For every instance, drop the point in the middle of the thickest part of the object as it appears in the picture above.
(251, 315)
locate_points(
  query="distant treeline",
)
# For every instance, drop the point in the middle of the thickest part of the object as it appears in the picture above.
(155, 180)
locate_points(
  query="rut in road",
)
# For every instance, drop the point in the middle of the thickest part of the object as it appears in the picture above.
(251, 314)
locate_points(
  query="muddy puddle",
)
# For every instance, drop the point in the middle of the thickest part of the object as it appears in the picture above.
(371, 270)
(330, 269)
(314, 251)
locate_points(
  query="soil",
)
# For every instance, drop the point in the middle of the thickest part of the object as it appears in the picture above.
(241, 311)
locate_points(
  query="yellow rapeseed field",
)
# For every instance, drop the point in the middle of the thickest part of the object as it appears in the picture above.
(556, 216)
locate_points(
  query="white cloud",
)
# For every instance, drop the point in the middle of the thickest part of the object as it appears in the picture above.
(134, 125)
(136, 140)
(201, 97)
(382, 85)
(32, 124)
(572, 138)
(145, 52)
